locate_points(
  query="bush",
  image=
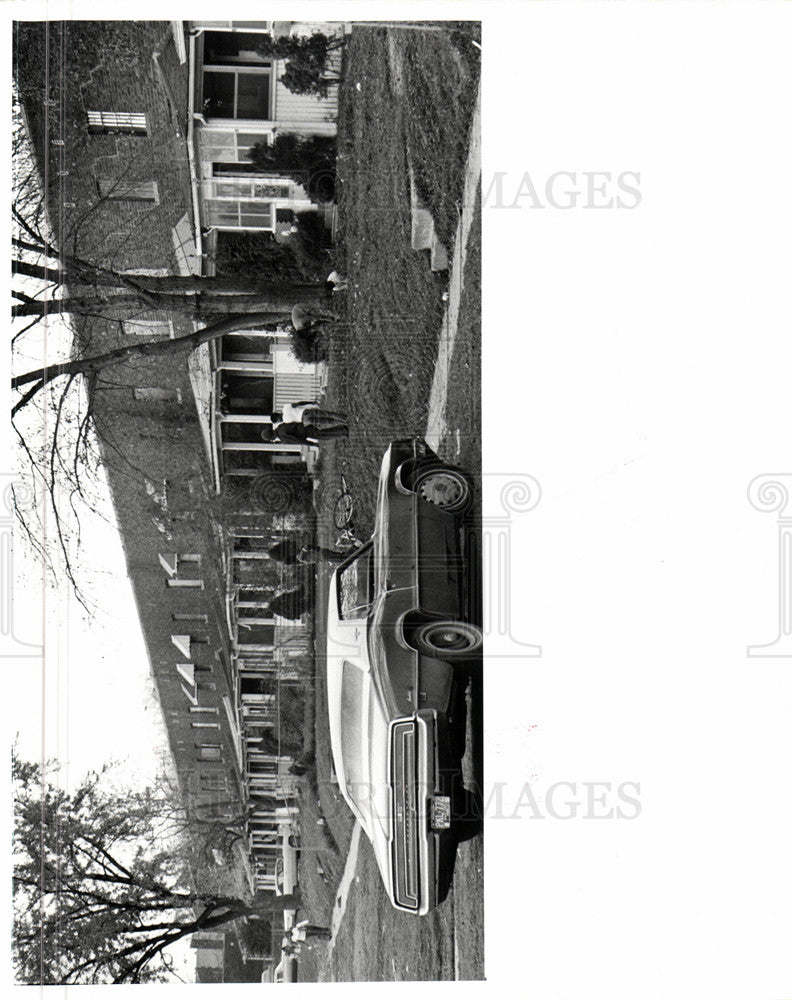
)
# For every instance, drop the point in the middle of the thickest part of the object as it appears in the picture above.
(306, 64)
(309, 160)
(259, 253)
(309, 242)
(308, 346)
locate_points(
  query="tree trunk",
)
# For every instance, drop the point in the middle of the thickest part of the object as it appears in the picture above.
(80, 305)
(209, 303)
(172, 291)
(171, 284)
(29, 270)
(87, 366)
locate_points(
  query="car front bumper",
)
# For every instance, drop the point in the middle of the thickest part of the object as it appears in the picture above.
(420, 771)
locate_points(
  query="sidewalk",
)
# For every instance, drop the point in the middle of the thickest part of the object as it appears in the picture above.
(436, 427)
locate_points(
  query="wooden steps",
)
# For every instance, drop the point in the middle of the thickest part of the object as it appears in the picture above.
(423, 235)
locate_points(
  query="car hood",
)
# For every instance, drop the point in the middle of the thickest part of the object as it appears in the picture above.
(364, 782)
(365, 785)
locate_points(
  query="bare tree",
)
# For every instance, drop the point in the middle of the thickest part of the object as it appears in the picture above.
(56, 276)
(104, 884)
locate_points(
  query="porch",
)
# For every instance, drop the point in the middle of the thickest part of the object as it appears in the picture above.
(239, 381)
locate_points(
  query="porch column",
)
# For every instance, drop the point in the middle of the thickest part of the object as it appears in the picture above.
(247, 367)
(276, 446)
(244, 418)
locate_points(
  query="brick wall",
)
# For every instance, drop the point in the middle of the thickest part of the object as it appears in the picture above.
(67, 69)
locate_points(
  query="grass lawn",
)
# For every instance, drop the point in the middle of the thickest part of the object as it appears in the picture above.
(381, 362)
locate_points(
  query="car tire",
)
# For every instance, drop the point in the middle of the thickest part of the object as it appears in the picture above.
(445, 487)
(448, 640)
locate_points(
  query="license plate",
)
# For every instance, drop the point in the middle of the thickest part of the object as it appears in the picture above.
(441, 812)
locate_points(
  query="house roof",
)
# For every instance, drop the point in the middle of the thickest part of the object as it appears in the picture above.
(199, 365)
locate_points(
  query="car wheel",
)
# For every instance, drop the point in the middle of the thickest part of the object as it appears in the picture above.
(448, 640)
(444, 487)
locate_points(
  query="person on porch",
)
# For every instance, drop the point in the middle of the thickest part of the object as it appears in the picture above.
(291, 604)
(291, 432)
(309, 413)
(290, 552)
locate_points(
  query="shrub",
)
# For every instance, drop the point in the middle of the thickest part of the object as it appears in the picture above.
(260, 253)
(308, 346)
(306, 61)
(309, 242)
(308, 160)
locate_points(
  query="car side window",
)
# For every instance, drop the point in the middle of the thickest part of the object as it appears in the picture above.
(356, 587)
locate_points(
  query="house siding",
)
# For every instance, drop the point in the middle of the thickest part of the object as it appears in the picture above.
(304, 112)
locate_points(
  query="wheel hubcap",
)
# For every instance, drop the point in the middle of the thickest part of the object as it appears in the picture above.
(442, 489)
(449, 638)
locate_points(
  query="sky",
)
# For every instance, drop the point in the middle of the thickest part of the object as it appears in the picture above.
(92, 700)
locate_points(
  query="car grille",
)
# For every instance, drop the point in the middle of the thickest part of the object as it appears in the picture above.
(405, 814)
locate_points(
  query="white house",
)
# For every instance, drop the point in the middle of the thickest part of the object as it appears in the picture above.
(236, 100)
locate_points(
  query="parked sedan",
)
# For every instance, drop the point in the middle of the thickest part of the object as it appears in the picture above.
(399, 626)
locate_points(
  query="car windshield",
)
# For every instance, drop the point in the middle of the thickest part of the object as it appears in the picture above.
(356, 587)
(352, 737)
(380, 536)
(376, 645)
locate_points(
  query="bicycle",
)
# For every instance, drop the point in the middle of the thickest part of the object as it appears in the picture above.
(343, 512)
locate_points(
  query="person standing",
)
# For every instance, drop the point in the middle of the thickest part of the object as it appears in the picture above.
(309, 413)
(292, 604)
(304, 929)
(290, 553)
(291, 432)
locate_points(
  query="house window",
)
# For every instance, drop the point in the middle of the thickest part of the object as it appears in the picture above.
(171, 561)
(229, 92)
(121, 190)
(189, 695)
(208, 751)
(239, 214)
(242, 187)
(237, 80)
(118, 122)
(207, 709)
(238, 47)
(161, 395)
(234, 169)
(182, 643)
(213, 782)
(187, 671)
(183, 571)
(231, 147)
(206, 725)
(160, 328)
(256, 635)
